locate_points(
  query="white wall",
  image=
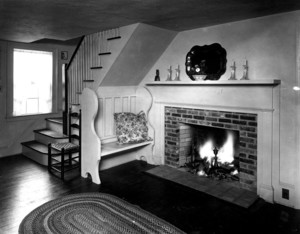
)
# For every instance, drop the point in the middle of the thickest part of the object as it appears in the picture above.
(270, 46)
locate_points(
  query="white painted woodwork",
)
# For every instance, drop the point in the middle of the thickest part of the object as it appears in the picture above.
(113, 100)
(217, 82)
(113, 147)
(100, 149)
(261, 98)
(87, 57)
(90, 143)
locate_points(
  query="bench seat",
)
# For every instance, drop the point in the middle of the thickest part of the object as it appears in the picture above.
(114, 147)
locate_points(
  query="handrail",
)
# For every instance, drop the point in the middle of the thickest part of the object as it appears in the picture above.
(75, 51)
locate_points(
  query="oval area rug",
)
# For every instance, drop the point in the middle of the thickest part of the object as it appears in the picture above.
(92, 213)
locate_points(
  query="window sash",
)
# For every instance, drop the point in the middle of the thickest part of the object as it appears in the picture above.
(32, 74)
(51, 104)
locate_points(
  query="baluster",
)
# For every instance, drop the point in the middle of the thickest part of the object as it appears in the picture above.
(83, 64)
(99, 48)
(81, 68)
(85, 61)
(73, 82)
(79, 71)
(70, 83)
(104, 42)
(107, 44)
(90, 57)
(92, 48)
(76, 78)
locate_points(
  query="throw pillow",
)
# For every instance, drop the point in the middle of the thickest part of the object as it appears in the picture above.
(131, 128)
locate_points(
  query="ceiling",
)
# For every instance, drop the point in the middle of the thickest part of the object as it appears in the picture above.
(32, 20)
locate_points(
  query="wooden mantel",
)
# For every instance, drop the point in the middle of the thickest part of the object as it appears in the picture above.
(217, 83)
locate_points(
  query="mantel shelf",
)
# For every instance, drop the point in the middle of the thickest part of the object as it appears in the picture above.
(217, 83)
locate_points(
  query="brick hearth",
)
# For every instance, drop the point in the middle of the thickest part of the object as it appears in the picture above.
(245, 123)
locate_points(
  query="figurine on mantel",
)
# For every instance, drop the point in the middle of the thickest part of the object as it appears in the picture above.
(169, 77)
(177, 74)
(157, 78)
(245, 71)
(232, 75)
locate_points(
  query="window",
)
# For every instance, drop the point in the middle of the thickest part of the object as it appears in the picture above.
(32, 85)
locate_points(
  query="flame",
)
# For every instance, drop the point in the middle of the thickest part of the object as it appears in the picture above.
(205, 150)
(225, 154)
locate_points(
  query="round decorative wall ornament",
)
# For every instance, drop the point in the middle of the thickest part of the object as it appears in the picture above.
(206, 62)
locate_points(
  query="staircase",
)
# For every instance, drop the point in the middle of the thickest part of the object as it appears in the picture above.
(93, 59)
(37, 149)
(116, 57)
(95, 53)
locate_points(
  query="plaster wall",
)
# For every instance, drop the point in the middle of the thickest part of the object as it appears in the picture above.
(270, 46)
(13, 131)
(138, 55)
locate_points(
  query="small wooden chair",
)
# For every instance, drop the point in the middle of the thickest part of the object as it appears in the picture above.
(66, 156)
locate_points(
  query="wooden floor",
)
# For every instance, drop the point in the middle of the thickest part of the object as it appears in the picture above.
(25, 185)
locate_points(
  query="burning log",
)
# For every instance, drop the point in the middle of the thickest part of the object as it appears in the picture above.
(212, 167)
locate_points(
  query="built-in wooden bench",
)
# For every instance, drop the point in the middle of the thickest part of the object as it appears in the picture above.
(98, 139)
(114, 147)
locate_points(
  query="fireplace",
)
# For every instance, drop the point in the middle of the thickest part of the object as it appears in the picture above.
(250, 107)
(209, 151)
(193, 134)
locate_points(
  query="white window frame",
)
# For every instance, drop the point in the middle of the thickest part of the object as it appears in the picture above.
(10, 79)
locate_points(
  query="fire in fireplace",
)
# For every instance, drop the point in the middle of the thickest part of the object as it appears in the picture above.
(179, 137)
(214, 153)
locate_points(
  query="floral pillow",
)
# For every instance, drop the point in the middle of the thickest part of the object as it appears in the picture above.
(131, 128)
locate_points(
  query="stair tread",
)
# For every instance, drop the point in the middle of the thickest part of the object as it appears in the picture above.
(99, 67)
(105, 53)
(55, 120)
(51, 133)
(88, 81)
(113, 38)
(39, 147)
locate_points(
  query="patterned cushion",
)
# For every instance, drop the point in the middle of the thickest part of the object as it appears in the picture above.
(131, 128)
(66, 145)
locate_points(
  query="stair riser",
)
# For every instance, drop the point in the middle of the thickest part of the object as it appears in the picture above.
(35, 156)
(46, 139)
(57, 127)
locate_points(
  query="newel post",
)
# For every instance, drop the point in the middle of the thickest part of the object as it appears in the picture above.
(65, 97)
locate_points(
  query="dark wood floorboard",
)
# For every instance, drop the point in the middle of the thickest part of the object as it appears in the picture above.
(25, 185)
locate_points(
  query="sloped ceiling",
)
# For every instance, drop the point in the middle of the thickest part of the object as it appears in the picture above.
(32, 20)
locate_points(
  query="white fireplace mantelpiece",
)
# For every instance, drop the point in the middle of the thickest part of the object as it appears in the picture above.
(218, 83)
(260, 97)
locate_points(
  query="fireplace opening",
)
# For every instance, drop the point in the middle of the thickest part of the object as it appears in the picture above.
(179, 136)
(210, 152)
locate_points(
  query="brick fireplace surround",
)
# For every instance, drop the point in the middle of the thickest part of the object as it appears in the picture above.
(245, 123)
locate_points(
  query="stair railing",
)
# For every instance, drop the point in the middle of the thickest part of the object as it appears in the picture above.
(66, 82)
(86, 59)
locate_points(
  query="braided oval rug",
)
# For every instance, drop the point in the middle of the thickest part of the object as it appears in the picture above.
(92, 213)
